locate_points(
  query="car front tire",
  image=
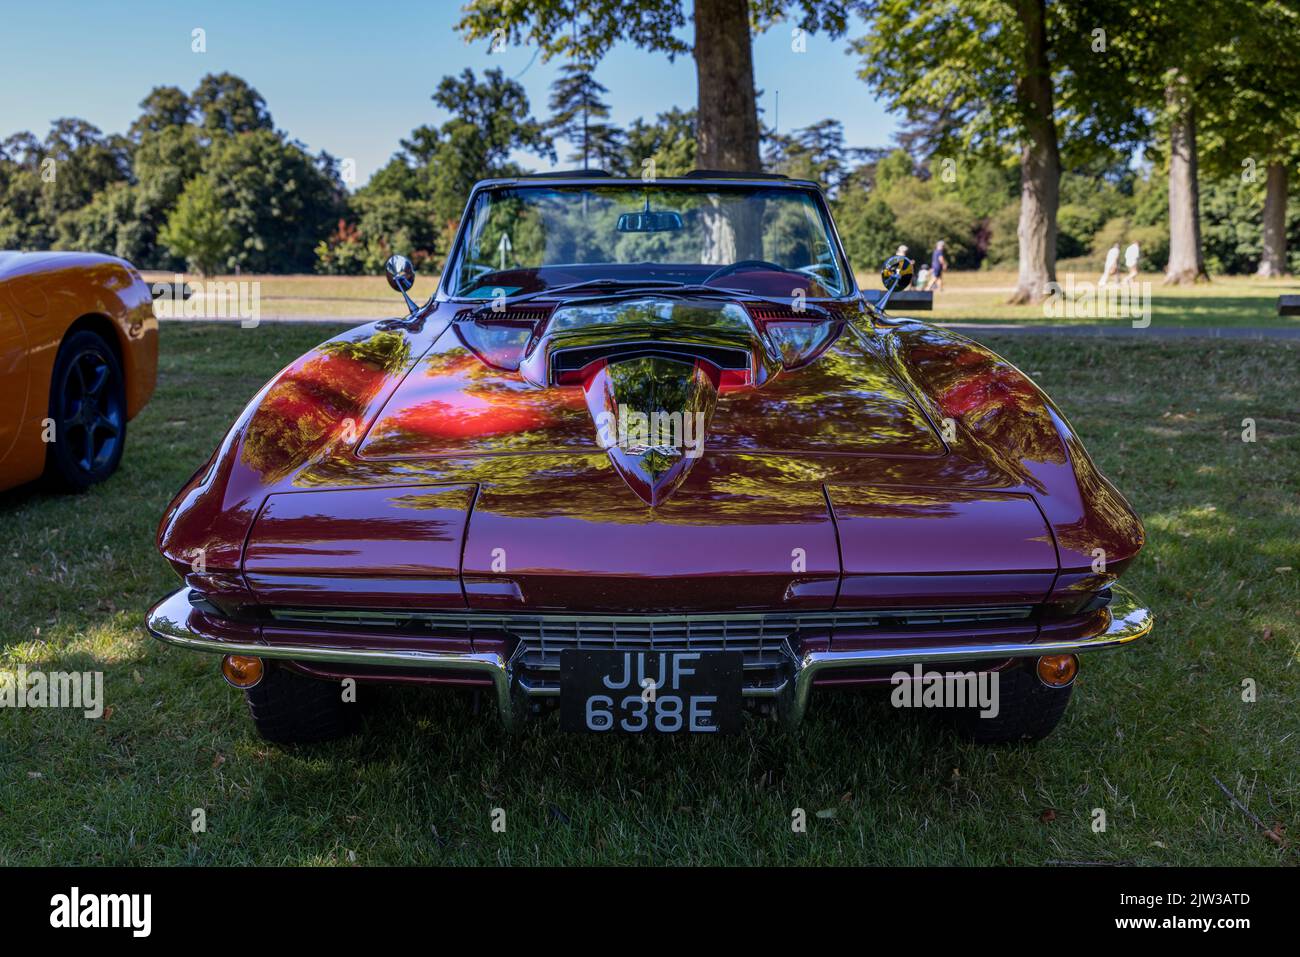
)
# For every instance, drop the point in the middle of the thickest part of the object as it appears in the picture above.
(1028, 710)
(88, 410)
(289, 708)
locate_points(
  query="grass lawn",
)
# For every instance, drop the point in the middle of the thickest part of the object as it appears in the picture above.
(978, 296)
(1148, 731)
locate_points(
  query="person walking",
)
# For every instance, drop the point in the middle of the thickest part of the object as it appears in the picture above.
(1111, 269)
(1131, 256)
(938, 266)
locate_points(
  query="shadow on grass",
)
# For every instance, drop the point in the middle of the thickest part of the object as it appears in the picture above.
(437, 729)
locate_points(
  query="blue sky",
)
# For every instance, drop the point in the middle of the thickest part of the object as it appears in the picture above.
(354, 78)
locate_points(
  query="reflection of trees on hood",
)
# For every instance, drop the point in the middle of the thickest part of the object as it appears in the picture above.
(991, 397)
(649, 385)
(454, 401)
(315, 399)
(589, 489)
(388, 351)
(846, 400)
(1109, 517)
(843, 400)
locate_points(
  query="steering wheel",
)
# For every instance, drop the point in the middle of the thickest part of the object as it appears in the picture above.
(742, 266)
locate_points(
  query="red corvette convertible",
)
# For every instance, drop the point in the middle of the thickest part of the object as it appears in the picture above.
(649, 458)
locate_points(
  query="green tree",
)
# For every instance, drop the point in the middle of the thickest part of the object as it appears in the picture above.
(388, 215)
(278, 200)
(198, 229)
(107, 224)
(816, 153)
(1210, 76)
(44, 185)
(1230, 224)
(923, 216)
(165, 160)
(165, 107)
(413, 203)
(669, 144)
(1254, 122)
(495, 114)
(984, 184)
(225, 103)
(83, 161)
(920, 212)
(1150, 224)
(990, 76)
(580, 116)
(728, 127)
(867, 227)
(23, 224)
(490, 120)
(1002, 245)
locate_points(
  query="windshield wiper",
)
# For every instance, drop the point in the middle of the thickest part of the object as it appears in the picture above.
(609, 283)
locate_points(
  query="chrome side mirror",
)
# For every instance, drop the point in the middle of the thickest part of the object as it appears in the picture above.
(401, 276)
(895, 276)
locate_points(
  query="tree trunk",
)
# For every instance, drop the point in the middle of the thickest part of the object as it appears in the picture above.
(1273, 260)
(1040, 160)
(724, 70)
(1186, 258)
(727, 124)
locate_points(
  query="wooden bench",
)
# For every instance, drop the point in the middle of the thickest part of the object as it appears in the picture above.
(1288, 305)
(168, 290)
(909, 300)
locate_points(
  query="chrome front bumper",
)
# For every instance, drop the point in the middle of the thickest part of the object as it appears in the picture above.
(172, 621)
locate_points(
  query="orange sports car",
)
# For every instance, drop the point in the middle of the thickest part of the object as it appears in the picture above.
(78, 360)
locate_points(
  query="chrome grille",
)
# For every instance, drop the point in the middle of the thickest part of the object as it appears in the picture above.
(724, 631)
(764, 638)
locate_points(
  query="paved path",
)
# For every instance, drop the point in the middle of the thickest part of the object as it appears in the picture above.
(279, 320)
(974, 329)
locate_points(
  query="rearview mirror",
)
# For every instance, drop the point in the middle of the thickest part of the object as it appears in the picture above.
(401, 273)
(658, 221)
(897, 273)
(401, 276)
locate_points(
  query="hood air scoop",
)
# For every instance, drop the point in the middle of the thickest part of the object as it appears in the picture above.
(652, 414)
(578, 335)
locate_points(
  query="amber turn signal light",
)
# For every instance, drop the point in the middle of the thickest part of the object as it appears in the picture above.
(242, 671)
(1057, 671)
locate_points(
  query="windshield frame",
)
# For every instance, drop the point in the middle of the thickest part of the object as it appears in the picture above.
(813, 191)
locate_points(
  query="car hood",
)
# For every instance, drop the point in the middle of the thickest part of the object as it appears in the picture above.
(14, 263)
(395, 464)
(468, 396)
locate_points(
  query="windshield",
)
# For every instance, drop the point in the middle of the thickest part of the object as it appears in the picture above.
(768, 241)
